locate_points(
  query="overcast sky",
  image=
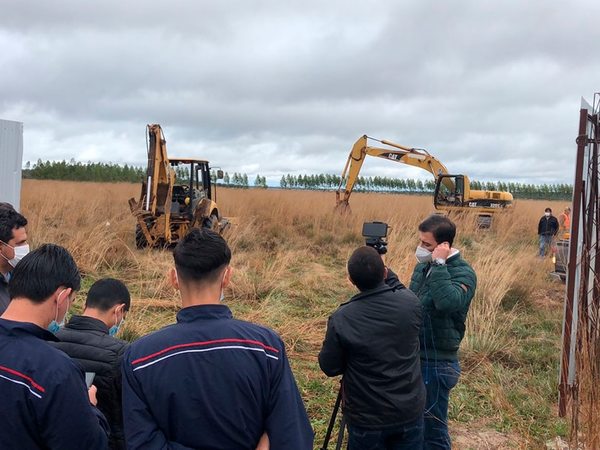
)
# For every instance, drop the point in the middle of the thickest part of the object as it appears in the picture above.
(492, 89)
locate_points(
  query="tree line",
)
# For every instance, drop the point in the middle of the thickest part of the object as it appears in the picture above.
(109, 172)
(415, 186)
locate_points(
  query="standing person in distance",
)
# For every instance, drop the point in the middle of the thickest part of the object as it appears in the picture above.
(210, 381)
(564, 223)
(13, 247)
(89, 340)
(45, 403)
(445, 283)
(547, 230)
(373, 341)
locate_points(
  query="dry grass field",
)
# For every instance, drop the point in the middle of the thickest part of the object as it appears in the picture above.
(289, 259)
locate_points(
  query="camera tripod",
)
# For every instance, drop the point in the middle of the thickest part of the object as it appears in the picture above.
(340, 437)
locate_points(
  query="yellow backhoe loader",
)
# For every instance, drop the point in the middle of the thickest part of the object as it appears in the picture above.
(452, 192)
(169, 207)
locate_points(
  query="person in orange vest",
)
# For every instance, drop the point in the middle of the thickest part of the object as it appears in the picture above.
(564, 222)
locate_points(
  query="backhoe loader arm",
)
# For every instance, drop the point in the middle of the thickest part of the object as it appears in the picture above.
(406, 155)
(159, 176)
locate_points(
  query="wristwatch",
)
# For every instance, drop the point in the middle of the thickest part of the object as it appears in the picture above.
(439, 262)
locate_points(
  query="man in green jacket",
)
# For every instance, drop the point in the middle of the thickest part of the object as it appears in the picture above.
(445, 284)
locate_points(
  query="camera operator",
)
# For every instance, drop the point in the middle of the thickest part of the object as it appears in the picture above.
(373, 341)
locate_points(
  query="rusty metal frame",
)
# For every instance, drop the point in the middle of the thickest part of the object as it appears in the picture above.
(582, 298)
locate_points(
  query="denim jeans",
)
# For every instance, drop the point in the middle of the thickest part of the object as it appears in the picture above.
(439, 377)
(402, 437)
(545, 243)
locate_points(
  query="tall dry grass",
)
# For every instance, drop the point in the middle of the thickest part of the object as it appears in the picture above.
(289, 254)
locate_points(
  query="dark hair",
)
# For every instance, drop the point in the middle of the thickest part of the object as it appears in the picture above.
(42, 272)
(6, 205)
(548, 210)
(442, 228)
(106, 293)
(201, 255)
(9, 219)
(366, 268)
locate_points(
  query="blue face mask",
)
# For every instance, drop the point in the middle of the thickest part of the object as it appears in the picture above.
(55, 326)
(112, 331)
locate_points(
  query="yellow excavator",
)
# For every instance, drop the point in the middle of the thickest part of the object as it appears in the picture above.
(452, 192)
(169, 207)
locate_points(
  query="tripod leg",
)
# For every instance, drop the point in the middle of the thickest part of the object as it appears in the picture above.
(340, 438)
(332, 420)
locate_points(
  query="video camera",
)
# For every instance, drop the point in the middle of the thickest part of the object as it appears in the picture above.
(376, 236)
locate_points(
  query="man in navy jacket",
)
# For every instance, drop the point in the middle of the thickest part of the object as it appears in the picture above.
(44, 400)
(210, 381)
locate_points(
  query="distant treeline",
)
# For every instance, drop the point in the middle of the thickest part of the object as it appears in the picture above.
(411, 186)
(109, 172)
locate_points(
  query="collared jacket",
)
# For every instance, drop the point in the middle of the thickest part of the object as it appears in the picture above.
(87, 342)
(44, 402)
(4, 295)
(548, 226)
(210, 381)
(373, 341)
(445, 292)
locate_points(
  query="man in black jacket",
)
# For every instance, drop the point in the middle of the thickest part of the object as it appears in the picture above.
(13, 246)
(547, 229)
(373, 341)
(88, 339)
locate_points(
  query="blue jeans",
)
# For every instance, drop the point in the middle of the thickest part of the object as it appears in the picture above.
(439, 377)
(403, 437)
(545, 243)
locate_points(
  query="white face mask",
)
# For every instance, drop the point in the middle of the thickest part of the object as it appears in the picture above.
(423, 255)
(547, 214)
(20, 253)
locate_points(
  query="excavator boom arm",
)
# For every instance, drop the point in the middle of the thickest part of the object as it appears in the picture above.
(406, 155)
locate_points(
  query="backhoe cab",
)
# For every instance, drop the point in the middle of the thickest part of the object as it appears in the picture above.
(176, 196)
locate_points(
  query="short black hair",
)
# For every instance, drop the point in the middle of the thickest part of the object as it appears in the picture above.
(106, 293)
(6, 205)
(9, 219)
(548, 210)
(43, 271)
(366, 268)
(201, 255)
(442, 228)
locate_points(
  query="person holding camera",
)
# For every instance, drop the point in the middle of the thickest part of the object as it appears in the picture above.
(445, 283)
(373, 341)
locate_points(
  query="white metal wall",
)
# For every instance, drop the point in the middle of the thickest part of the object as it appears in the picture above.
(11, 160)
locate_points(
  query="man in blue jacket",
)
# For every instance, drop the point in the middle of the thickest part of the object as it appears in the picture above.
(45, 403)
(210, 381)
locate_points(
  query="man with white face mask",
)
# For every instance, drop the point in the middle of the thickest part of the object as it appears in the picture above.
(445, 283)
(210, 381)
(89, 339)
(45, 401)
(13, 247)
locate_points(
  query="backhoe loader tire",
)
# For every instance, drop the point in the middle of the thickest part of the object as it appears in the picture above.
(140, 239)
(212, 223)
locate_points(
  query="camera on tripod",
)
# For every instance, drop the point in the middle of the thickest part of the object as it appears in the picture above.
(375, 234)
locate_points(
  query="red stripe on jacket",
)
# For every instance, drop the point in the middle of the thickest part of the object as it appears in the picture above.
(25, 377)
(192, 344)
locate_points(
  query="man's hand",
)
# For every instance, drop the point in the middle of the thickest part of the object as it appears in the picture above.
(441, 251)
(263, 444)
(92, 394)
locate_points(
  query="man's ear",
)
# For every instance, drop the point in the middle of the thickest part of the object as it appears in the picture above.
(227, 276)
(385, 272)
(61, 294)
(350, 280)
(172, 276)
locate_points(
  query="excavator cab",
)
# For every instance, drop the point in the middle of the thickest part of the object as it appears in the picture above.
(449, 191)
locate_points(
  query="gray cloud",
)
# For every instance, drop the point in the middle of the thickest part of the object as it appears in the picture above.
(492, 90)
